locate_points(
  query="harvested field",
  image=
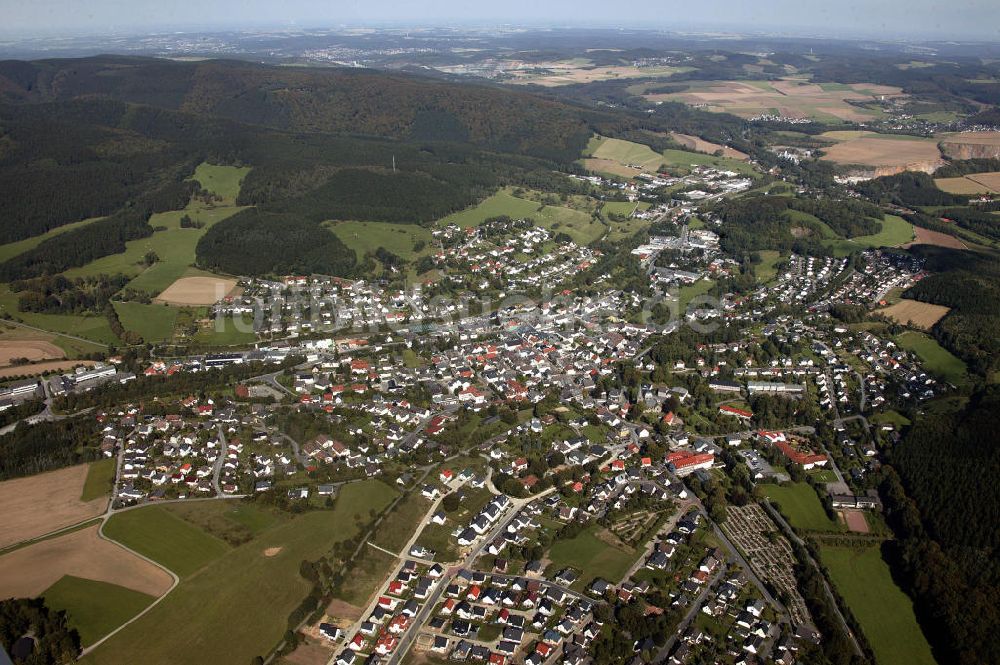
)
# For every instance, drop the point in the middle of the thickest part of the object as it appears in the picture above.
(29, 571)
(31, 349)
(42, 368)
(921, 314)
(580, 70)
(928, 237)
(855, 521)
(701, 145)
(197, 291)
(315, 650)
(610, 166)
(37, 505)
(791, 98)
(974, 183)
(884, 153)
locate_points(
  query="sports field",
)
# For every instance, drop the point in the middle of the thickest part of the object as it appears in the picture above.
(935, 358)
(885, 613)
(593, 553)
(801, 507)
(38, 504)
(920, 314)
(501, 203)
(94, 608)
(236, 607)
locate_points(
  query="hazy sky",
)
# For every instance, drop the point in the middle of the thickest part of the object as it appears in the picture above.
(974, 19)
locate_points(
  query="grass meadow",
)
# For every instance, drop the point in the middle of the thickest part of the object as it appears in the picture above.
(94, 608)
(235, 606)
(885, 613)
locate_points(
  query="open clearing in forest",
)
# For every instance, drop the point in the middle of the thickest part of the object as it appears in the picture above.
(29, 571)
(197, 291)
(920, 314)
(39, 504)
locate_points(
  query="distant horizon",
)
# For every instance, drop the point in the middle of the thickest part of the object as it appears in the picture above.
(888, 20)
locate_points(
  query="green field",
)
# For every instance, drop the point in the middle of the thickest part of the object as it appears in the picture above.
(885, 613)
(623, 207)
(801, 507)
(165, 538)
(501, 203)
(624, 152)
(94, 608)
(684, 159)
(237, 606)
(767, 269)
(578, 225)
(364, 237)
(228, 335)
(222, 180)
(895, 231)
(591, 555)
(629, 153)
(232, 521)
(689, 292)
(890, 418)
(12, 249)
(935, 358)
(100, 476)
(90, 326)
(154, 322)
(174, 247)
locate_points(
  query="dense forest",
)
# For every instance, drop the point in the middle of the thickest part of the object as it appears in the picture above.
(969, 282)
(48, 445)
(943, 505)
(55, 641)
(259, 243)
(909, 188)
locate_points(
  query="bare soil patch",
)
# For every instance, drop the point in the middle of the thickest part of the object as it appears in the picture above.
(272, 551)
(40, 504)
(31, 349)
(855, 521)
(343, 610)
(42, 368)
(29, 571)
(312, 651)
(920, 314)
(197, 291)
(928, 237)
